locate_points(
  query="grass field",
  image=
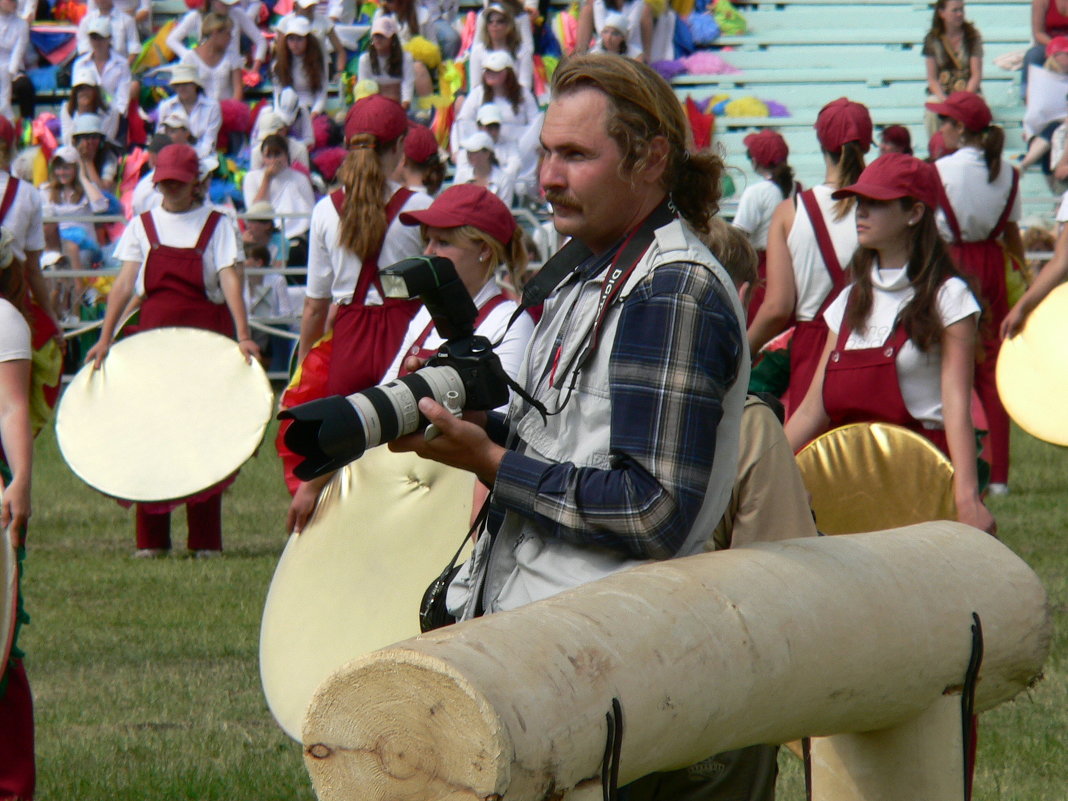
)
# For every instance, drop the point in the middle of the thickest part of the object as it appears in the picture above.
(145, 672)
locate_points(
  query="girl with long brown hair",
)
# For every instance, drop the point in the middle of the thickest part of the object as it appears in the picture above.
(901, 340)
(300, 63)
(387, 63)
(501, 87)
(810, 239)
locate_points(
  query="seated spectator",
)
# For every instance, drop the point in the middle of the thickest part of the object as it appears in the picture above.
(953, 53)
(295, 116)
(218, 69)
(14, 39)
(124, 38)
(639, 18)
(204, 113)
(190, 27)
(100, 164)
(497, 30)
(387, 63)
(287, 190)
(268, 297)
(69, 193)
(86, 98)
(613, 36)
(177, 128)
(269, 123)
(112, 70)
(485, 170)
(262, 230)
(501, 87)
(323, 28)
(300, 64)
(1047, 22)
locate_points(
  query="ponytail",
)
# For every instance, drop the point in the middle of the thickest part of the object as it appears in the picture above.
(850, 162)
(363, 224)
(993, 140)
(782, 175)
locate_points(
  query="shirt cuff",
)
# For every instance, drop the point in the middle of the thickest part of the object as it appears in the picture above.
(518, 479)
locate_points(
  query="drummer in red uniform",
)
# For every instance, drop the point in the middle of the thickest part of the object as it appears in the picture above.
(178, 285)
(901, 341)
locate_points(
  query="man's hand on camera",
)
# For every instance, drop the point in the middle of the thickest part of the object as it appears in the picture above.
(461, 443)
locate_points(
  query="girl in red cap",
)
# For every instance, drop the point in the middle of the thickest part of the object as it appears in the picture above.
(421, 169)
(354, 232)
(809, 244)
(767, 153)
(900, 344)
(979, 209)
(185, 286)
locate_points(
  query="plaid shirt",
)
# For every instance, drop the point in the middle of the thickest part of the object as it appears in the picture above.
(676, 353)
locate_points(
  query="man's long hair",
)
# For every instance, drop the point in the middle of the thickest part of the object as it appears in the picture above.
(642, 106)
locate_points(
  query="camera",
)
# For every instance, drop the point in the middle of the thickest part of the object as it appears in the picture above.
(465, 373)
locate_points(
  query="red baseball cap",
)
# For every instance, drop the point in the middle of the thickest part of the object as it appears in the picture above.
(378, 115)
(767, 148)
(967, 108)
(466, 204)
(1058, 44)
(896, 175)
(419, 144)
(177, 162)
(7, 131)
(898, 136)
(842, 121)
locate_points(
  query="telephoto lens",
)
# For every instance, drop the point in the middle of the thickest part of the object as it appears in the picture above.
(331, 432)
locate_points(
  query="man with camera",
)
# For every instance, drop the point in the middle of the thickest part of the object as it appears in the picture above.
(625, 448)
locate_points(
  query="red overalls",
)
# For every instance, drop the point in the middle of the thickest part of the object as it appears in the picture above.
(175, 296)
(417, 348)
(810, 336)
(985, 262)
(366, 338)
(861, 386)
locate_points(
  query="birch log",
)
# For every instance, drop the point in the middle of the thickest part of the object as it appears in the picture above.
(764, 644)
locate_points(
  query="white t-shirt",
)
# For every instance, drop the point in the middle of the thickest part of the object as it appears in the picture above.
(124, 37)
(188, 27)
(70, 208)
(1062, 210)
(511, 350)
(114, 78)
(145, 196)
(919, 374)
(290, 191)
(811, 281)
(24, 217)
(14, 334)
(977, 203)
(333, 271)
(755, 207)
(182, 231)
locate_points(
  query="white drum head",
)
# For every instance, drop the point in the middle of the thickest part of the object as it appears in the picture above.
(9, 585)
(1031, 374)
(351, 583)
(171, 412)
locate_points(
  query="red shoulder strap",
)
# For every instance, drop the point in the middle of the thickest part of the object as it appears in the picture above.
(150, 229)
(338, 196)
(483, 312)
(1003, 220)
(208, 229)
(951, 217)
(9, 196)
(396, 203)
(826, 246)
(369, 268)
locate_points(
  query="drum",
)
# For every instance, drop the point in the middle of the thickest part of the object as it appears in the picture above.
(171, 412)
(1032, 380)
(874, 476)
(385, 527)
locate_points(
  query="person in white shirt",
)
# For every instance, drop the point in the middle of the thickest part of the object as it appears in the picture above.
(288, 191)
(901, 338)
(69, 194)
(112, 70)
(485, 170)
(14, 39)
(323, 28)
(269, 123)
(768, 153)
(500, 86)
(978, 217)
(99, 161)
(497, 30)
(640, 23)
(86, 97)
(295, 116)
(613, 35)
(219, 71)
(190, 27)
(124, 38)
(387, 63)
(205, 115)
(300, 63)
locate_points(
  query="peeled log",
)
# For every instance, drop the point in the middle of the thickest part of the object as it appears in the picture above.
(764, 644)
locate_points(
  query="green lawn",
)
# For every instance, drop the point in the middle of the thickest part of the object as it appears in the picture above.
(145, 672)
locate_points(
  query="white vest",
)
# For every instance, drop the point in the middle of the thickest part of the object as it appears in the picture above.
(523, 565)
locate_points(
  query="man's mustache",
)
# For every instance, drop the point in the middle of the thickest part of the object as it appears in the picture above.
(562, 200)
